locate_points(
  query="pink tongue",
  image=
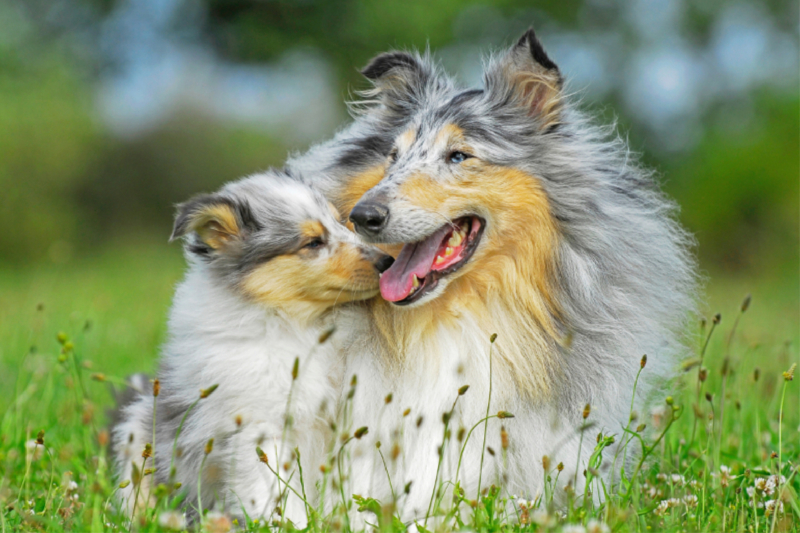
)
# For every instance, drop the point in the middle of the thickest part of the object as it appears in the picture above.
(414, 259)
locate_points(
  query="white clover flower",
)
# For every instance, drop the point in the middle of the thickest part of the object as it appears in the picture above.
(72, 486)
(750, 492)
(521, 503)
(677, 479)
(661, 476)
(770, 505)
(760, 484)
(172, 520)
(724, 476)
(573, 528)
(690, 500)
(34, 450)
(696, 485)
(596, 526)
(217, 522)
(663, 507)
(543, 518)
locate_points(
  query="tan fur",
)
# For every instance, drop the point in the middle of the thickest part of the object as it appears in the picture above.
(514, 266)
(215, 224)
(306, 287)
(540, 93)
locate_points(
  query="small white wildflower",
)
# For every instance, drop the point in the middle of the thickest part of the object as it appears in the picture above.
(34, 450)
(75, 497)
(663, 507)
(677, 479)
(661, 476)
(696, 485)
(724, 476)
(172, 520)
(652, 492)
(595, 526)
(760, 484)
(521, 503)
(690, 500)
(750, 492)
(573, 528)
(72, 486)
(543, 518)
(769, 506)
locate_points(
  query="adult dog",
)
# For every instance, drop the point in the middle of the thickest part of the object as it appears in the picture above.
(517, 217)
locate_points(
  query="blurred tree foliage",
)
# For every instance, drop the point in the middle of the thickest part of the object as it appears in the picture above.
(67, 181)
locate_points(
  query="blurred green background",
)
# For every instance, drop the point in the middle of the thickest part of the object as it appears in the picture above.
(112, 111)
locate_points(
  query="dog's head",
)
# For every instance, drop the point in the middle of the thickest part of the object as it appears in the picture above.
(458, 187)
(279, 243)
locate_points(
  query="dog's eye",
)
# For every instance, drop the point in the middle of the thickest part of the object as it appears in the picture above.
(458, 157)
(393, 155)
(315, 243)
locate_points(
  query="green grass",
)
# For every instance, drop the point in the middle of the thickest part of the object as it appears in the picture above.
(112, 309)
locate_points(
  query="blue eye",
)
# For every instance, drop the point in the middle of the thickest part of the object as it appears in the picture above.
(458, 157)
(316, 243)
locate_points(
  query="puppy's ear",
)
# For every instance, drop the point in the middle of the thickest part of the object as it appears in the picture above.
(399, 79)
(215, 220)
(526, 76)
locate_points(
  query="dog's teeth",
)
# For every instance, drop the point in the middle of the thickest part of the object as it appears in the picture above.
(415, 282)
(455, 239)
(448, 252)
(439, 260)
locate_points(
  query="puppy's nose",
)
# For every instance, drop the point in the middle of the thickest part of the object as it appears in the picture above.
(383, 263)
(369, 217)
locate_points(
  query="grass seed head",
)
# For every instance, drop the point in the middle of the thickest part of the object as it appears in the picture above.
(560, 467)
(156, 388)
(490, 450)
(209, 446)
(461, 432)
(205, 393)
(61, 338)
(407, 411)
(789, 374)
(99, 376)
(388, 399)
(756, 373)
(504, 414)
(295, 368)
(263, 456)
(493, 338)
(586, 411)
(325, 335)
(125, 483)
(545, 463)
(746, 302)
(709, 397)
(238, 421)
(40, 438)
(360, 432)
(640, 428)
(643, 361)
(702, 374)
(148, 451)
(717, 318)
(463, 390)
(503, 437)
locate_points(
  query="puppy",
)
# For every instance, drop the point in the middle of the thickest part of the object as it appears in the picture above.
(269, 260)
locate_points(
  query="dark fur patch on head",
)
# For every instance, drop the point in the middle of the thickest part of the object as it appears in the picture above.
(364, 151)
(530, 40)
(380, 65)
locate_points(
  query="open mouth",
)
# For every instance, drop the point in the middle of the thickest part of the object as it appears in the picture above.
(420, 265)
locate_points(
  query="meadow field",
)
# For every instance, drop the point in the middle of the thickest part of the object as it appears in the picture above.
(721, 454)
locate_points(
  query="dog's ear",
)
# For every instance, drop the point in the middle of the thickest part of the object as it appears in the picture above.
(399, 79)
(215, 220)
(526, 76)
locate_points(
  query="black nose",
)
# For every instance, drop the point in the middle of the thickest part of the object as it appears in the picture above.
(369, 217)
(384, 263)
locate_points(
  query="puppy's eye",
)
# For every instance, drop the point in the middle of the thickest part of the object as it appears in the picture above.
(458, 157)
(393, 155)
(315, 243)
